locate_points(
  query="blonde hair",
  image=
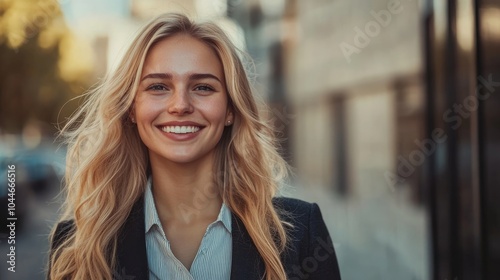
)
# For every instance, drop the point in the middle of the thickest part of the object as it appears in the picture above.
(107, 164)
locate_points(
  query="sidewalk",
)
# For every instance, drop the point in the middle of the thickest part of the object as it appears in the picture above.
(378, 238)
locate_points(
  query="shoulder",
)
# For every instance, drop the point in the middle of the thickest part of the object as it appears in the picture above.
(62, 231)
(291, 204)
(304, 219)
(296, 211)
(309, 241)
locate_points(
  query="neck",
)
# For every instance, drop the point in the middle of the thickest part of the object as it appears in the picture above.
(185, 193)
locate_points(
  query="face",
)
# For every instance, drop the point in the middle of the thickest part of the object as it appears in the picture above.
(181, 106)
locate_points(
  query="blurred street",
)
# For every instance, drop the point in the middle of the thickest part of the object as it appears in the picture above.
(32, 242)
(381, 239)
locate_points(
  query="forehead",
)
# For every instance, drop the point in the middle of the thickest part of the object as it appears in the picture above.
(182, 54)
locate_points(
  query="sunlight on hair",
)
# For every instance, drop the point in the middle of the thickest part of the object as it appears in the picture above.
(234, 32)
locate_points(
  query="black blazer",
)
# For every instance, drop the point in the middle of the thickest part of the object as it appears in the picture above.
(310, 254)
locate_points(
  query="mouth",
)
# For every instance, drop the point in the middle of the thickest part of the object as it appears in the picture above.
(180, 129)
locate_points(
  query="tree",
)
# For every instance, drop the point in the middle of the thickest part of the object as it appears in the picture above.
(39, 72)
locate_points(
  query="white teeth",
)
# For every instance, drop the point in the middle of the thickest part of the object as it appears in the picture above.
(180, 129)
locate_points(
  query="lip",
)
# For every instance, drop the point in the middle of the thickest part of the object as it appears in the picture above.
(181, 123)
(183, 136)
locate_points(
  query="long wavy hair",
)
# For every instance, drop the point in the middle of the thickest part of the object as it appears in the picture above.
(107, 163)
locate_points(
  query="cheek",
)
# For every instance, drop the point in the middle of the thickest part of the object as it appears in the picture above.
(145, 113)
(146, 110)
(214, 109)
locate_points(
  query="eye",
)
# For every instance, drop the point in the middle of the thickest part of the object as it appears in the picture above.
(157, 87)
(204, 87)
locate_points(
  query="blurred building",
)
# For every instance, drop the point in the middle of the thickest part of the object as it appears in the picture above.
(352, 75)
(345, 82)
(110, 26)
(387, 105)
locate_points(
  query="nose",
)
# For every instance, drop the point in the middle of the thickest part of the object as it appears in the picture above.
(180, 103)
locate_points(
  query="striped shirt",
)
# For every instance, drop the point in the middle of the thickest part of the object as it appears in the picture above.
(212, 261)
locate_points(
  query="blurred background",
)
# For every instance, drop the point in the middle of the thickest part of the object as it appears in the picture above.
(388, 111)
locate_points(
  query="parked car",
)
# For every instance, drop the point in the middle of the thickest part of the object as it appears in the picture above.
(39, 169)
(38, 172)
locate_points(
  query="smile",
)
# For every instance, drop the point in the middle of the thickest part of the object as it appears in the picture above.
(180, 129)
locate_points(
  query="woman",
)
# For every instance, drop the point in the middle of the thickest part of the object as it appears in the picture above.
(172, 173)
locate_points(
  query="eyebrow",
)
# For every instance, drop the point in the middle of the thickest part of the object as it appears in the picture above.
(195, 76)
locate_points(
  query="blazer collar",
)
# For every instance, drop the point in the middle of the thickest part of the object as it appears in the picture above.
(246, 260)
(132, 258)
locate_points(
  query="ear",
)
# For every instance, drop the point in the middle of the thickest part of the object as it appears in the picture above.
(229, 116)
(131, 114)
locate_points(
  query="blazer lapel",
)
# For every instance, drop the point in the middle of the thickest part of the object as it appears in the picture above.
(131, 250)
(247, 264)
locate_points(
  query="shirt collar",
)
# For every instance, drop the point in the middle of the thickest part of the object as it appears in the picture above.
(225, 217)
(151, 215)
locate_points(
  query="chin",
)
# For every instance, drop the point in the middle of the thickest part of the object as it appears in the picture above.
(182, 158)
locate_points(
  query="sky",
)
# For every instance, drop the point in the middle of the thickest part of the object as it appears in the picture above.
(78, 11)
